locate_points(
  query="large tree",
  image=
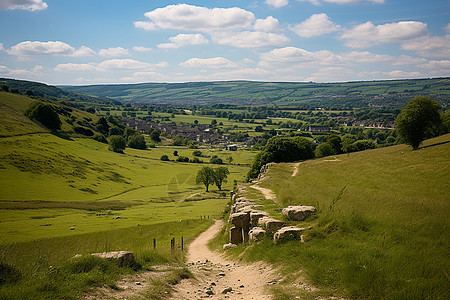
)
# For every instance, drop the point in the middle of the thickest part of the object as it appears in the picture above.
(418, 120)
(220, 176)
(206, 176)
(117, 143)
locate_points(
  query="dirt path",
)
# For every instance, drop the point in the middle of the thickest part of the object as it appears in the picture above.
(266, 192)
(219, 278)
(296, 165)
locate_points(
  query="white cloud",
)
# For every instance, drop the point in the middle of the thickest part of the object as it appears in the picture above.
(402, 74)
(447, 28)
(113, 52)
(249, 39)
(141, 49)
(315, 2)
(145, 25)
(70, 67)
(18, 73)
(184, 40)
(196, 18)
(277, 3)
(31, 5)
(367, 34)
(437, 64)
(124, 64)
(1, 47)
(110, 65)
(209, 63)
(267, 24)
(292, 55)
(429, 46)
(317, 24)
(29, 48)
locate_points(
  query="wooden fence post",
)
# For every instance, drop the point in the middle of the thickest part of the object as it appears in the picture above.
(154, 244)
(182, 244)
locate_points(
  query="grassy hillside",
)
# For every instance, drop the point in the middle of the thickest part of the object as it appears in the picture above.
(51, 92)
(382, 226)
(340, 95)
(65, 195)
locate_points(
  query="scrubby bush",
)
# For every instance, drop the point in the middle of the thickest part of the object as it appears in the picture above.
(117, 143)
(137, 141)
(44, 114)
(165, 158)
(197, 153)
(182, 159)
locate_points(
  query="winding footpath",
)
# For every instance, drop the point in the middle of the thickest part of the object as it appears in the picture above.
(215, 277)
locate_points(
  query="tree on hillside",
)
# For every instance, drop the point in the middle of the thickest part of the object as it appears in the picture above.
(418, 120)
(206, 176)
(44, 114)
(117, 143)
(137, 141)
(282, 149)
(220, 176)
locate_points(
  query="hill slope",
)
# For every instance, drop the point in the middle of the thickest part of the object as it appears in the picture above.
(351, 94)
(382, 225)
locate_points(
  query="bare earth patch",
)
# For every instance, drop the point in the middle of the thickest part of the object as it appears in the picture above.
(296, 166)
(266, 192)
(219, 278)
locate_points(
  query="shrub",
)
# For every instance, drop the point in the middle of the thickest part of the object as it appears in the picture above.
(137, 141)
(165, 158)
(324, 149)
(9, 274)
(44, 114)
(182, 159)
(117, 143)
(83, 131)
(197, 153)
(100, 138)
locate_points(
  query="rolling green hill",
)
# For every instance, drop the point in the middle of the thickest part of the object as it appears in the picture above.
(51, 92)
(382, 223)
(385, 93)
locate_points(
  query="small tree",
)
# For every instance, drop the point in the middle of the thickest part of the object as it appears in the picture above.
(44, 114)
(137, 141)
(165, 158)
(418, 120)
(220, 176)
(117, 143)
(175, 153)
(206, 176)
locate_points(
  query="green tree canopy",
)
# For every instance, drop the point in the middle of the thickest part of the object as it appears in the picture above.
(206, 176)
(117, 143)
(137, 141)
(220, 176)
(44, 114)
(418, 120)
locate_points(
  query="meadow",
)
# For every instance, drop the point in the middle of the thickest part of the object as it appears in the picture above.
(381, 230)
(63, 195)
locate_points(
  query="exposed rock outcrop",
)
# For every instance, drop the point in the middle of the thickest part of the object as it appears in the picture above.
(298, 212)
(123, 258)
(256, 234)
(288, 233)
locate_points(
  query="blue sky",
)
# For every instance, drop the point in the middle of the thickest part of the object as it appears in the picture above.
(82, 42)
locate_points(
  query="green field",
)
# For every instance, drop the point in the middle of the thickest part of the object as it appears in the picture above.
(62, 195)
(382, 225)
(347, 94)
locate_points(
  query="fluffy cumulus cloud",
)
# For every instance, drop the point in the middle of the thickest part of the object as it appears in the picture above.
(114, 52)
(290, 56)
(32, 5)
(34, 73)
(2, 48)
(250, 39)
(196, 18)
(267, 24)
(429, 46)
(316, 25)
(28, 48)
(277, 3)
(182, 40)
(208, 63)
(367, 34)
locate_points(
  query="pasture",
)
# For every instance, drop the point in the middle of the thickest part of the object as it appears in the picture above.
(381, 230)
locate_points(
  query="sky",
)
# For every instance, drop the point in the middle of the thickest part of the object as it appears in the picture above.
(81, 42)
